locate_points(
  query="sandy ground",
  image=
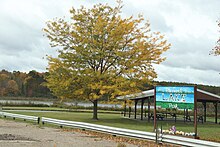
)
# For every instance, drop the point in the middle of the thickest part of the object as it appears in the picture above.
(19, 134)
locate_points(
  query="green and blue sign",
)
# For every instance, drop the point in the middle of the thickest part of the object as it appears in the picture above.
(179, 97)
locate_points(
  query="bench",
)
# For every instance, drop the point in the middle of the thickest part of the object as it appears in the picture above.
(158, 116)
(187, 118)
(151, 116)
(200, 118)
(173, 115)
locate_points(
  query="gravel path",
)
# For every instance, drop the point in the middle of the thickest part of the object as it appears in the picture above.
(19, 134)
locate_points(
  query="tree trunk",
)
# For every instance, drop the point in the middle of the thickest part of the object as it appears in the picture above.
(95, 109)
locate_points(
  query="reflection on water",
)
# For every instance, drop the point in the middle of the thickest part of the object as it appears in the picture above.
(84, 104)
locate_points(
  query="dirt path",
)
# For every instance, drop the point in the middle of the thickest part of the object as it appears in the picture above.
(19, 134)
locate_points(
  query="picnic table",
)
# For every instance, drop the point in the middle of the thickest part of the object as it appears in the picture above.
(161, 116)
(187, 118)
(200, 118)
(158, 116)
(173, 115)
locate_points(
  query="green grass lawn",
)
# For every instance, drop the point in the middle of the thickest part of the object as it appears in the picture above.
(208, 131)
(14, 108)
(34, 108)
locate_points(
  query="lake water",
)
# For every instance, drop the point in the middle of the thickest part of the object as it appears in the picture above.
(84, 104)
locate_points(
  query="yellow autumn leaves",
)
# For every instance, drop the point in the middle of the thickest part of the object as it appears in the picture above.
(101, 54)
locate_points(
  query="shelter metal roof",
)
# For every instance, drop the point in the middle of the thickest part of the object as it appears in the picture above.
(201, 95)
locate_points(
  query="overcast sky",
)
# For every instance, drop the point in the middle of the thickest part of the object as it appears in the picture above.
(189, 25)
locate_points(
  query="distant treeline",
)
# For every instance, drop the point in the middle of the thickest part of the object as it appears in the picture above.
(23, 84)
(16, 83)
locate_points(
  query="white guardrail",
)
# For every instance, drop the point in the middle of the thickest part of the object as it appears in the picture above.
(25, 117)
(183, 141)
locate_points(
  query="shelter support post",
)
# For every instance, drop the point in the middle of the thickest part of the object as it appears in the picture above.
(145, 112)
(148, 103)
(142, 106)
(155, 111)
(135, 109)
(125, 108)
(166, 112)
(216, 112)
(129, 111)
(204, 106)
(184, 117)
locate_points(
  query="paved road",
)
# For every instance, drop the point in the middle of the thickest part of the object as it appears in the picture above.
(19, 134)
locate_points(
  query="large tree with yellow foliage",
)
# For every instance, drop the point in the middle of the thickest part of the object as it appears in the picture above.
(102, 54)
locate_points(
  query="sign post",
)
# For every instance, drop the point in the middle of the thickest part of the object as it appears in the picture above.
(155, 112)
(178, 97)
(195, 110)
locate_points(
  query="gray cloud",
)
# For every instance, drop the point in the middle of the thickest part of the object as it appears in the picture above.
(200, 62)
(196, 55)
(187, 75)
(190, 26)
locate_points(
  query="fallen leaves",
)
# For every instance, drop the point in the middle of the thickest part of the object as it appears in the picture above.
(118, 139)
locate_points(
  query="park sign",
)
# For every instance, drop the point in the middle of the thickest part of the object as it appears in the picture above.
(179, 97)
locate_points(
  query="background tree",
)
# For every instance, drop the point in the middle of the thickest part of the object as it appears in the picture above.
(102, 54)
(22, 84)
(12, 88)
(19, 77)
(216, 50)
(33, 85)
(4, 78)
